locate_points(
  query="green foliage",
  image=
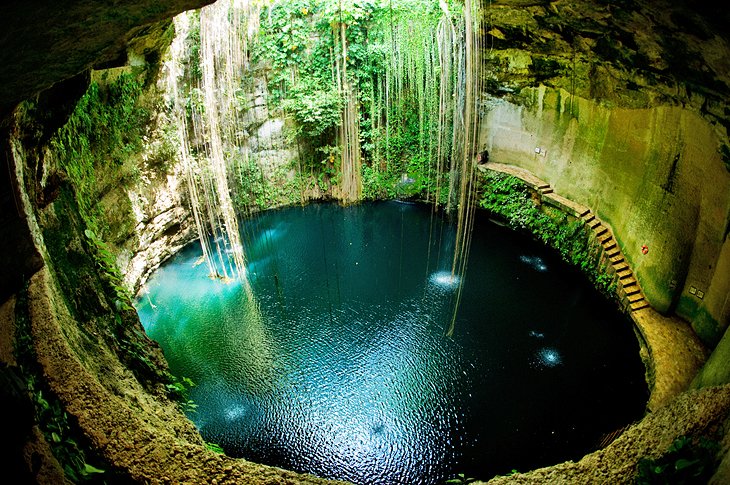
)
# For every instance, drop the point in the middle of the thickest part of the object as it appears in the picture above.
(132, 342)
(93, 149)
(460, 479)
(215, 447)
(329, 166)
(57, 431)
(194, 68)
(253, 188)
(315, 108)
(686, 461)
(103, 132)
(303, 43)
(302, 36)
(107, 263)
(378, 184)
(179, 390)
(254, 191)
(300, 40)
(509, 198)
(299, 46)
(286, 29)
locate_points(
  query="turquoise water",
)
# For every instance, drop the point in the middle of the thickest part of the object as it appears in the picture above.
(337, 364)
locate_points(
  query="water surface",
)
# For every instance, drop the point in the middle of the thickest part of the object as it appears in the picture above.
(339, 365)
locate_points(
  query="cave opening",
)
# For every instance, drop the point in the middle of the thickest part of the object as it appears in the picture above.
(130, 138)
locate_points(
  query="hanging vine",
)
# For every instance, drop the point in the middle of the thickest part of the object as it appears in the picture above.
(209, 117)
(383, 96)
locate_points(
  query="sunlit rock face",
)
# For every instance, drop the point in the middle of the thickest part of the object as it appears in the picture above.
(162, 226)
(623, 106)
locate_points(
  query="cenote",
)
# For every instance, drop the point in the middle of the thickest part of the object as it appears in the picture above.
(337, 361)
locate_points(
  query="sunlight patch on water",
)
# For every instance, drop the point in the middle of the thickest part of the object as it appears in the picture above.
(445, 280)
(535, 262)
(547, 357)
(235, 412)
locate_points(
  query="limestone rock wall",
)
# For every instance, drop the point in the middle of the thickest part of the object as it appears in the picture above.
(163, 225)
(623, 107)
(267, 141)
(151, 220)
(654, 174)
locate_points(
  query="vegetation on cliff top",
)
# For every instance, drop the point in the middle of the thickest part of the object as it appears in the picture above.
(371, 83)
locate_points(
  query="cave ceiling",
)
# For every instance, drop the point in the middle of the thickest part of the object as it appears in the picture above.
(44, 42)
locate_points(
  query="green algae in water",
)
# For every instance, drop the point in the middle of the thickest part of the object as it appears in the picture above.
(337, 363)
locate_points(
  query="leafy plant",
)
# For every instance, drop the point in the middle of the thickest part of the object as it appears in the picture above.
(315, 107)
(509, 197)
(53, 421)
(687, 461)
(102, 133)
(215, 447)
(460, 479)
(179, 390)
(107, 263)
(57, 427)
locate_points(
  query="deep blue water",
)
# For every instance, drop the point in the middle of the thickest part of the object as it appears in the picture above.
(339, 365)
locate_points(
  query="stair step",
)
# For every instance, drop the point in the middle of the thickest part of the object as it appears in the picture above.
(633, 298)
(612, 252)
(546, 191)
(588, 218)
(638, 305)
(584, 213)
(543, 186)
(628, 282)
(600, 230)
(632, 290)
(625, 274)
(620, 266)
(604, 238)
(617, 259)
(609, 246)
(593, 223)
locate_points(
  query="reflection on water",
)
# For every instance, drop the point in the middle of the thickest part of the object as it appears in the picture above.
(445, 280)
(548, 357)
(534, 262)
(337, 363)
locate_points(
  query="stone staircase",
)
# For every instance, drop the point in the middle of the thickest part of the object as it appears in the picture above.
(628, 289)
(544, 188)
